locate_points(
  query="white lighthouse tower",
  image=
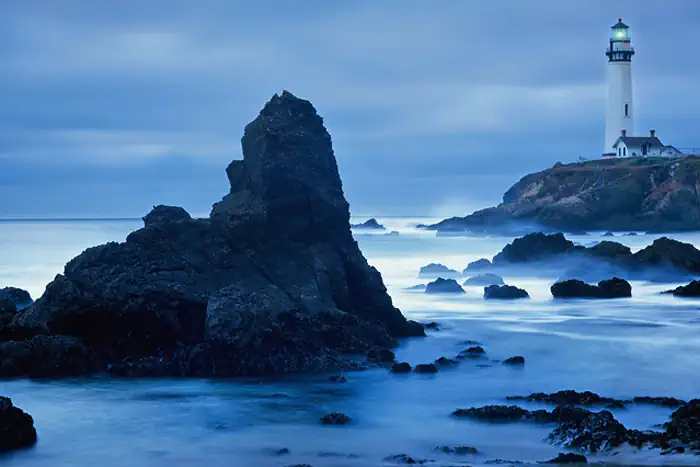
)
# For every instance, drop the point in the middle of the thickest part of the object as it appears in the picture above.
(619, 115)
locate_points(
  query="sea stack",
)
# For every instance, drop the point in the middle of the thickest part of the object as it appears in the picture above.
(272, 282)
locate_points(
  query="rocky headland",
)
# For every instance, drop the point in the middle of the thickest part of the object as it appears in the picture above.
(649, 194)
(272, 282)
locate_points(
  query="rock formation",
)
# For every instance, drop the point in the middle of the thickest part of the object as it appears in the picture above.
(16, 427)
(442, 286)
(504, 292)
(272, 282)
(435, 270)
(611, 288)
(650, 194)
(484, 279)
(371, 224)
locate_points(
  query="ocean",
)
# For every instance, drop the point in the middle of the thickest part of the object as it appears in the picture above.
(644, 345)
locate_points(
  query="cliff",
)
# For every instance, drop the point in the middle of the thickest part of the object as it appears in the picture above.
(651, 194)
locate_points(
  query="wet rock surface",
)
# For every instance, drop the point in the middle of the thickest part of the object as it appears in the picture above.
(444, 286)
(504, 292)
(16, 427)
(271, 283)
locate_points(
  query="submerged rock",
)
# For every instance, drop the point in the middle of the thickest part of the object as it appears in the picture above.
(566, 397)
(515, 361)
(426, 368)
(441, 286)
(436, 270)
(504, 292)
(16, 427)
(335, 418)
(502, 413)
(484, 280)
(459, 450)
(371, 224)
(272, 282)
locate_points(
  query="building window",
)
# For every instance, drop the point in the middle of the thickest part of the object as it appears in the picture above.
(624, 151)
(627, 110)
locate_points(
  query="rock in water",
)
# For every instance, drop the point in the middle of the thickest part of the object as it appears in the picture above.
(611, 288)
(371, 224)
(484, 279)
(690, 290)
(568, 458)
(504, 292)
(441, 285)
(272, 282)
(477, 266)
(437, 270)
(16, 427)
(534, 247)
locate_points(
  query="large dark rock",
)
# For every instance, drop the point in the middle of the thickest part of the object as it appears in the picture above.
(484, 280)
(16, 427)
(690, 290)
(567, 458)
(436, 270)
(370, 224)
(534, 247)
(611, 288)
(440, 285)
(45, 357)
(672, 254)
(587, 431)
(18, 297)
(504, 292)
(566, 397)
(272, 282)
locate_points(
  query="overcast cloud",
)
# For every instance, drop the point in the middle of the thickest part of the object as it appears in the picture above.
(107, 108)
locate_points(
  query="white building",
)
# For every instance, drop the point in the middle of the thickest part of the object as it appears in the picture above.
(619, 118)
(645, 146)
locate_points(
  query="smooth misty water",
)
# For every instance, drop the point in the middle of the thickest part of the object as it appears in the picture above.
(645, 345)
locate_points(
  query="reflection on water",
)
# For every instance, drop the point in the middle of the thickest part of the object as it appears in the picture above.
(646, 345)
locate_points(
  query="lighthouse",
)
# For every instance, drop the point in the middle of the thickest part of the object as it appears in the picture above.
(619, 118)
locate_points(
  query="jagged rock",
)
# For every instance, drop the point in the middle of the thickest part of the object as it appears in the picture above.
(402, 367)
(18, 297)
(568, 458)
(534, 247)
(416, 287)
(440, 286)
(586, 431)
(690, 290)
(503, 413)
(335, 418)
(272, 282)
(477, 266)
(371, 224)
(611, 288)
(685, 423)
(484, 280)
(435, 270)
(16, 427)
(459, 450)
(504, 292)
(517, 360)
(426, 368)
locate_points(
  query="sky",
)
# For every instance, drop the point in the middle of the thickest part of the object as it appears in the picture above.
(435, 108)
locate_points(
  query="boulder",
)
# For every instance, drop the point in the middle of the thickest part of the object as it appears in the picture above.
(566, 397)
(568, 458)
(586, 431)
(272, 282)
(484, 280)
(610, 250)
(504, 292)
(690, 290)
(436, 270)
(573, 288)
(534, 247)
(402, 367)
(444, 286)
(477, 266)
(426, 368)
(45, 357)
(667, 253)
(335, 418)
(16, 427)
(514, 361)
(18, 297)
(473, 352)
(371, 224)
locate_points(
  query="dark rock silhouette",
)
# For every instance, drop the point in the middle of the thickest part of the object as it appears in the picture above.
(16, 427)
(459, 450)
(472, 352)
(436, 270)
(371, 224)
(568, 458)
(533, 247)
(690, 290)
(440, 285)
(479, 265)
(426, 368)
(18, 297)
(504, 292)
(514, 361)
(272, 282)
(402, 367)
(484, 280)
(335, 418)
(611, 288)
